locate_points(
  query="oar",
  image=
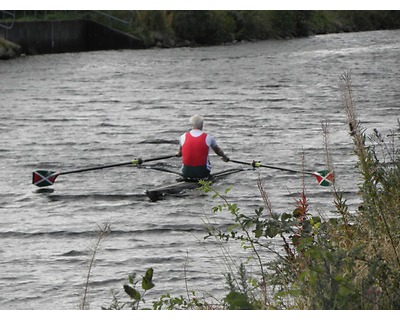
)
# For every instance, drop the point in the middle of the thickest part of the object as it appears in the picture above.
(44, 178)
(324, 177)
(162, 169)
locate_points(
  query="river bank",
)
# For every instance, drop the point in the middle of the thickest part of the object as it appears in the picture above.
(70, 31)
(171, 29)
(61, 36)
(9, 50)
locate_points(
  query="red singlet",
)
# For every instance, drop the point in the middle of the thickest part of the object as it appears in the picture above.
(195, 150)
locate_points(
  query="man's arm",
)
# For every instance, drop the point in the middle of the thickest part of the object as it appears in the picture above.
(179, 153)
(221, 153)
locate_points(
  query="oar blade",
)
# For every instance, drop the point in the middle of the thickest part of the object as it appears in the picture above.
(44, 178)
(325, 178)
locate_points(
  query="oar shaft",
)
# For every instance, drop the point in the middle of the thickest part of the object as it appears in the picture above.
(133, 162)
(97, 168)
(256, 164)
(159, 158)
(162, 169)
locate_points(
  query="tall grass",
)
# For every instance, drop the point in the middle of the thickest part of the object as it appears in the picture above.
(103, 230)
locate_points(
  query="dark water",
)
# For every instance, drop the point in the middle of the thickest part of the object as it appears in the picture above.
(262, 101)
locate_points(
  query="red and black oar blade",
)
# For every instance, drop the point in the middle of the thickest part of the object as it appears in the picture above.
(325, 178)
(44, 178)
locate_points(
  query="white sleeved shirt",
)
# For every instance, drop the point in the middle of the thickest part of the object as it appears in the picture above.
(210, 140)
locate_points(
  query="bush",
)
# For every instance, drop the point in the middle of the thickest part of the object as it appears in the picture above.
(204, 27)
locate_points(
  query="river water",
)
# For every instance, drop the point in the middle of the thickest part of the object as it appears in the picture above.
(262, 101)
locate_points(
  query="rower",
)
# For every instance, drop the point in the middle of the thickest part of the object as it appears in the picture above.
(194, 147)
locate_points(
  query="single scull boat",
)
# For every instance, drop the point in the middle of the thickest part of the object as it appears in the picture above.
(183, 185)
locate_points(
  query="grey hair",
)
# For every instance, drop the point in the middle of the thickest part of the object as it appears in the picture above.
(197, 121)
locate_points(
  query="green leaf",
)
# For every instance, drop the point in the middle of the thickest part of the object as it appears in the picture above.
(132, 293)
(297, 213)
(238, 301)
(131, 278)
(149, 274)
(259, 211)
(258, 233)
(315, 219)
(217, 208)
(232, 227)
(304, 242)
(271, 232)
(296, 239)
(227, 190)
(147, 283)
(233, 208)
(247, 223)
(285, 216)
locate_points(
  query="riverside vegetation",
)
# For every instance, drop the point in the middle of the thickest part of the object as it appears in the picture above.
(8, 50)
(349, 261)
(204, 27)
(166, 29)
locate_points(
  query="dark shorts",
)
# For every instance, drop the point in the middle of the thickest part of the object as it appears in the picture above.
(195, 172)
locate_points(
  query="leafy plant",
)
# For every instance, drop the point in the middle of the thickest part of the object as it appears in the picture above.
(168, 302)
(135, 295)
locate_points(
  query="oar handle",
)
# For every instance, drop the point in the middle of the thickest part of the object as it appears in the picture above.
(245, 163)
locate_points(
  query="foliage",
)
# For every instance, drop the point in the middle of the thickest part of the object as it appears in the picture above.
(166, 301)
(210, 27)
(349, 261)
(296, 230)
(375, 226)
(204, 27)
(136, 297)
(239, 294)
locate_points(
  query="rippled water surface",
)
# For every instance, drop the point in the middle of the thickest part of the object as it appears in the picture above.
(262, 101)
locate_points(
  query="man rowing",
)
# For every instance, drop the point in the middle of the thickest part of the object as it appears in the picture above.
(194, 149)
